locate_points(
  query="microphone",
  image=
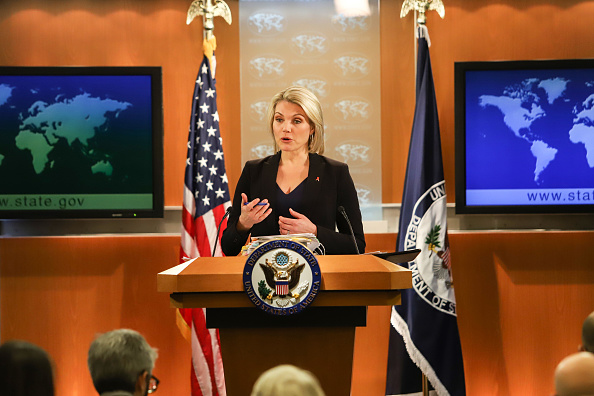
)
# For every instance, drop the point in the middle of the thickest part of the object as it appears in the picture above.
(343, 212)
(227, 212)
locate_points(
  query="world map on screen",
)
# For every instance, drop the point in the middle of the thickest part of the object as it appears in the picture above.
(87, 135)
(73, 119)
(530, 131)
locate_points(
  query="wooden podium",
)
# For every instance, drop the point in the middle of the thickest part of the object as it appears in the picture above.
(319, 339)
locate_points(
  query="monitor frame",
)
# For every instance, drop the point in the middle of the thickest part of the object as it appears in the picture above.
(460, 69)
(156, 86)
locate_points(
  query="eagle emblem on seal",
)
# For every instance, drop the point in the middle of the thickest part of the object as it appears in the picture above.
(282, 276)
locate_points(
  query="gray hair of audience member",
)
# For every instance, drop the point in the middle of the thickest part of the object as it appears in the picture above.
(117, 358)
(312, 107)
(25, 370)
(287, 380)
(588, 333)
(574, 375)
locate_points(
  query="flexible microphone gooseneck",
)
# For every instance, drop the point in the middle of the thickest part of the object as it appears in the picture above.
(343, 212)
(219, 228)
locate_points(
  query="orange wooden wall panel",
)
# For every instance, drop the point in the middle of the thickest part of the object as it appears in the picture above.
(397, 69)
(60, 292)
(371, 354)
(522, 297)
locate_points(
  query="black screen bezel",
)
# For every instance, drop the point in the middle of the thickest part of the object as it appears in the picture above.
(460, 69)
(155, 72)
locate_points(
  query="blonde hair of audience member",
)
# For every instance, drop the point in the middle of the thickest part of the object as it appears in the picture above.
(312, 107)
(588, 334)
(287, 380)
(574, 375)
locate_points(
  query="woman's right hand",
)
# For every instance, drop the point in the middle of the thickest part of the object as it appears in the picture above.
(252, 213)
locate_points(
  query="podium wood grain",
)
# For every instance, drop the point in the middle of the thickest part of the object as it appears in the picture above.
(324, 349)
(217, 282)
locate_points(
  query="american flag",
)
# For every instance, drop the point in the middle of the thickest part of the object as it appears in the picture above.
(206, 197)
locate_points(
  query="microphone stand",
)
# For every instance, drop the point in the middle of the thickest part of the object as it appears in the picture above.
(343, 212)
(227, 212)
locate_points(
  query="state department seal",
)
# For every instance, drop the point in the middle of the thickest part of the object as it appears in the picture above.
(431, 269)
(282, 277)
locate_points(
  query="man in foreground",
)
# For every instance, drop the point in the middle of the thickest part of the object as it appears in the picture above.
(121, 364)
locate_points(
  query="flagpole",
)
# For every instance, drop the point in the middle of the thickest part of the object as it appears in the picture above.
(420, 7)
(425, 385)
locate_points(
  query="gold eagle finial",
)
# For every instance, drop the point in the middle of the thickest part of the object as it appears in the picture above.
(209, 9)
(422, 6)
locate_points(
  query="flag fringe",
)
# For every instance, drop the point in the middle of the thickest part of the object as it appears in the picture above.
(415, 355)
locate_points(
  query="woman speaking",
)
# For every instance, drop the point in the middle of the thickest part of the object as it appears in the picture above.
(297, 190)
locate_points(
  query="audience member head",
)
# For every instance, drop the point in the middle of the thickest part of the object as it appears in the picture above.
(287, 380)
(25, 370)
(122, 360)
(588, 334)
(312, 107)
(574, 375)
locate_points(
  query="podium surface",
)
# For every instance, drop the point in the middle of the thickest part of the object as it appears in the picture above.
(347, 280)
(319, 339)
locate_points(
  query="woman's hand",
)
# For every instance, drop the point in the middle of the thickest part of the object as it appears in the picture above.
(299, 225)
(252, 212)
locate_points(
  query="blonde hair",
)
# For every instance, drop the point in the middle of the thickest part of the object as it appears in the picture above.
(310, 104)
(287, 380)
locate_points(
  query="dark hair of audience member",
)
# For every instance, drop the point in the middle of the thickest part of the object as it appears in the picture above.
(588, 334)
(25, 370)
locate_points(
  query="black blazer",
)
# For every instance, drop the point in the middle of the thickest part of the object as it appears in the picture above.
(328, 186)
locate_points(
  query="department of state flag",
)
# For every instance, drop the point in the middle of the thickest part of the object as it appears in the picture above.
(424, 328)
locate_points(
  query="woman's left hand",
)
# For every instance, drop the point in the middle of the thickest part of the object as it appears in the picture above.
(299, 225)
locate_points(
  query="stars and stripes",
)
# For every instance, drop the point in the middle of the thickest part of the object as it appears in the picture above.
(206, 198)
(206, 193)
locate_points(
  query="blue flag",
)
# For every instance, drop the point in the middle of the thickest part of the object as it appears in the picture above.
(424, 330)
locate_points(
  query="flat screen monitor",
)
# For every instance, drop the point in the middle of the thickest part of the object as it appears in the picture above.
(524, 136)
(81, 142)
